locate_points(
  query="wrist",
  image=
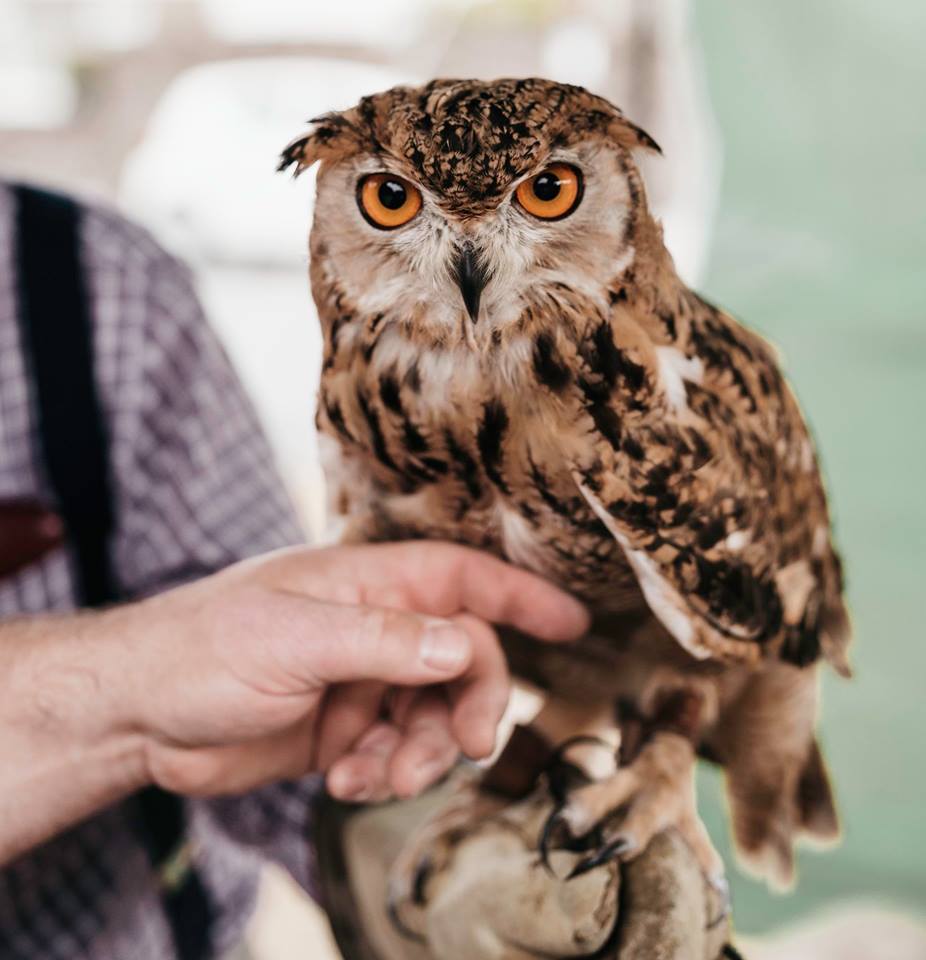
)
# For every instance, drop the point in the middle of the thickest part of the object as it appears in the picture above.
(66, 685)
(64, 750)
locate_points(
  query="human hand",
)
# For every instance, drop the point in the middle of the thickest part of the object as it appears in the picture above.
(374, 664)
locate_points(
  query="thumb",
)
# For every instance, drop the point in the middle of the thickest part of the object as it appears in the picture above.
(372, 643)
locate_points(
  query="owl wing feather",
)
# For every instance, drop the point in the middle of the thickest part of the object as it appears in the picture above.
(702, 468)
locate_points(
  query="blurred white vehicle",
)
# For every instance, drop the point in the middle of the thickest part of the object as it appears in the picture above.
(203, 176)
(203, 181)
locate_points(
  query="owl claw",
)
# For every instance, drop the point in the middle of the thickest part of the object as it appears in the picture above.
(552, 824)
(562, 777)
(610, 851)
(556, 828)
(617, 816)
(395, 918)
(423, 870)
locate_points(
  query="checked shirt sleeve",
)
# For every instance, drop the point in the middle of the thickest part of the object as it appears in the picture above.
(196, 483)
(197, 491)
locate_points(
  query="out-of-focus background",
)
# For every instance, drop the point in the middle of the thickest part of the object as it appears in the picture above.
(793, 191)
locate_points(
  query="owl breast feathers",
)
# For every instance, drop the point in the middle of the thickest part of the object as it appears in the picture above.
(511, 361)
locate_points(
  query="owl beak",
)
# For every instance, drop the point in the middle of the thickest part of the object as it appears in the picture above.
(472, 278)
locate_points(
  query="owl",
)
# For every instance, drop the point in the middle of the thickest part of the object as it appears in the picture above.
(512, 362)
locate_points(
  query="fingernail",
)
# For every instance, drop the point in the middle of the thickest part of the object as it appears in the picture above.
(359, 794)
(349, 787)
(444, 646)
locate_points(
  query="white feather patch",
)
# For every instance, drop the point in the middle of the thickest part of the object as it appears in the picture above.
(821, 541)
(662, 597)
(795, 583)
(737, 540)
(519, 539)
(623, 262)
(674, 369)
(807, 457)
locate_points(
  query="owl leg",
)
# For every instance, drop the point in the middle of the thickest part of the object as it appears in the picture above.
(652, 791)
(587, 741)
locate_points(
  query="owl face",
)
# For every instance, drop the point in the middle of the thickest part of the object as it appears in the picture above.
(458, 204)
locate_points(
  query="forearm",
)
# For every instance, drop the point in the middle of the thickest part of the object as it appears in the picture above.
(66, 749)
(222, 685)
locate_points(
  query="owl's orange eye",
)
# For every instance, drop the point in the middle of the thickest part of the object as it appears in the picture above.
(387, 201)
(553, 194)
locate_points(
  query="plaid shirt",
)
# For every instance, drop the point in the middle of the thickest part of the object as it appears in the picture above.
(195, 491)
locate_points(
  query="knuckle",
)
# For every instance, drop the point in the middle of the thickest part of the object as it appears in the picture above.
(374, 629)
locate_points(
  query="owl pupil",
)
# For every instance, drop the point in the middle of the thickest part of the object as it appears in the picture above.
(546, 187)
(392, 194)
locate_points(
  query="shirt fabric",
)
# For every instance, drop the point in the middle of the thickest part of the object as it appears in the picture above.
(195, 490)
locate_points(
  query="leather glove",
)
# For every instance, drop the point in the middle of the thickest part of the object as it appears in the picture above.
(492, 898)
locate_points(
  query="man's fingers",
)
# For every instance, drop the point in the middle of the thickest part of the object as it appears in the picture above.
(327, 643)
(481, 695)
(436, 578)
(346, 713)
(445, 579)
(362, 776)
(428, 748)
(451, 579)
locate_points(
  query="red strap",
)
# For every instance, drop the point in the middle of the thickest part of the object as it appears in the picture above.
(28, 531)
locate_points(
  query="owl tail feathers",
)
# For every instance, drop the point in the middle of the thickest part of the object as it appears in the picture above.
(817, 816)
(771, 813)
(835, 634)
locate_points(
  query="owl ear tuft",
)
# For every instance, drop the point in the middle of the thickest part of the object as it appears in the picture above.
(331, 136)
(630, 136)
(610, 120)
(644, 140)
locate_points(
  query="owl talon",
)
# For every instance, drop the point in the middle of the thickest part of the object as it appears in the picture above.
(395, 918)
(629, 807)
(610, 851)
(556, 829)
(423, 871)
(563, 776)
(553, 824)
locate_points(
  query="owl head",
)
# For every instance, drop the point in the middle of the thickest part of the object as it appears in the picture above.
(461, 201)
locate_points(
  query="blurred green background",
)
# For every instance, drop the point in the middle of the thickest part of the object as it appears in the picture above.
(820, 114)
(820, 246)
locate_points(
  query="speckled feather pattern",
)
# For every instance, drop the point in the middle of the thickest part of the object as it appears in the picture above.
(640, 395)
(598, 422)
(467, 141)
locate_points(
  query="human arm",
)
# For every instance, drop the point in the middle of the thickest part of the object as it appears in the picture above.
(272, 668)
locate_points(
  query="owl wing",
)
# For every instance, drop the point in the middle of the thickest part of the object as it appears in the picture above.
(702, 468)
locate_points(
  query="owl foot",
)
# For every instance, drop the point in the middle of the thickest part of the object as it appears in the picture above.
(621, 813)
(564, 776)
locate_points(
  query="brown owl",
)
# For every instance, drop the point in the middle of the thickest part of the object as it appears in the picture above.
(512, 362)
